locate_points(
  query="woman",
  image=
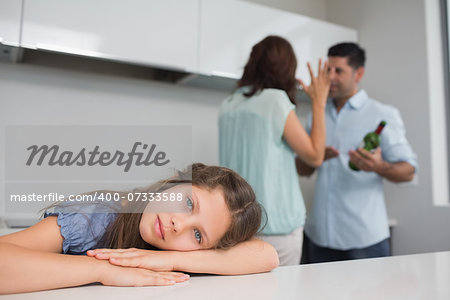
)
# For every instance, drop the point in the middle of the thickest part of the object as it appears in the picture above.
(214, 236)
(260, 134)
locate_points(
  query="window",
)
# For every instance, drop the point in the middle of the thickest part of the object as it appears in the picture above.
(445, 25)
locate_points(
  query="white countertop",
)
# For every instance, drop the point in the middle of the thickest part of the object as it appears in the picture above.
(419, 276)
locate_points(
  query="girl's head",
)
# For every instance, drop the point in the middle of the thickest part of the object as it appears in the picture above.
(272, 64)
(221, 211)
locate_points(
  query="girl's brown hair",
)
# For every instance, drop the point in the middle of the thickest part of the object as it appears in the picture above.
(272, 64)
(239, 197)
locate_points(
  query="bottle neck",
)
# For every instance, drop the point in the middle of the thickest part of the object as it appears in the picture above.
(380, 128)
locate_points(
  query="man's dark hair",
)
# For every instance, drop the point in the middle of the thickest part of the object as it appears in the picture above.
(356, 56)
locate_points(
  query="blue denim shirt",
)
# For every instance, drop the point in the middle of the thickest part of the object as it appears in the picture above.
(82, 224)
(348, 210)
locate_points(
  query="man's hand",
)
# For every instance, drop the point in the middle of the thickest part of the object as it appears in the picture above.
(330, 152)
(366, 160)
(304, 169)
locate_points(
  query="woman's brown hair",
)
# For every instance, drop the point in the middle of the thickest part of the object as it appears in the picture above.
(239, 197)
(272, 64)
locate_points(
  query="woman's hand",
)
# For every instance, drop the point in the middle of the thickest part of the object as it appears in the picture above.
(320, 85)
(126, 276)
(138, 258)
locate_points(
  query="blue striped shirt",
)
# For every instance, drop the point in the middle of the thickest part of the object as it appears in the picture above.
(348, 210)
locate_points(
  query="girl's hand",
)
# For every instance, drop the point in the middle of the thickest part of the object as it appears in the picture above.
(320, 85)
(138, 258)
(124, 276)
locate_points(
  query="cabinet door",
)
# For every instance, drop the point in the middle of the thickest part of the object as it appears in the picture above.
(10, 11)
(229, 29)
(153, 32)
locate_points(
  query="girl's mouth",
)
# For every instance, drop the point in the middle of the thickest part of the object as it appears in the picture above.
(159, 228)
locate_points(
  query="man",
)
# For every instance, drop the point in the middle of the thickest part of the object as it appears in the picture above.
(348, 217)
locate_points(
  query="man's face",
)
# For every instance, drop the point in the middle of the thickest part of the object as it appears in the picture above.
(344, 79)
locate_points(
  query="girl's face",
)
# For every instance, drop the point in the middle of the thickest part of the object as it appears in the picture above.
(205, 221)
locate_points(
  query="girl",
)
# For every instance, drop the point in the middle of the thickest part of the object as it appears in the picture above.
(260, 135)
(214, 237)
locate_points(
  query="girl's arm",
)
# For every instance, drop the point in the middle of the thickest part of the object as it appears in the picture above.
(26, 270)
(30, 262)
(254, 256)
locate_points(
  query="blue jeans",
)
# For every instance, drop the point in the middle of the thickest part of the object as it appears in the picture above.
(312, 253)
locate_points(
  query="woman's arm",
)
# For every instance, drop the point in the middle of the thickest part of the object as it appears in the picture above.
(254, 256)
(310, 148)
(305, 170)
(30, 262)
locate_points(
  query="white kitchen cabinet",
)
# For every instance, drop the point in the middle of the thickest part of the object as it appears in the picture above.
(146, 32)
(10, 11)
(229, 29)
(208, 37)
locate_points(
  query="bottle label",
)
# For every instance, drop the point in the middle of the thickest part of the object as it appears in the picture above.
(362, 145)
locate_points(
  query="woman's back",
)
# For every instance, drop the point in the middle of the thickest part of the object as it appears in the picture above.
(251, 143)
(260, 135)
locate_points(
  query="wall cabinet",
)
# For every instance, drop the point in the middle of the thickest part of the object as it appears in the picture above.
(148, 32)
(229, 29)
(207, 37)
(10, 14)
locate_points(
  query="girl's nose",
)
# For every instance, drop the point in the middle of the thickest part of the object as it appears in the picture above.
(178, 224)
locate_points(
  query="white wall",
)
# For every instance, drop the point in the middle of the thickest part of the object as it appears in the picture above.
(34, 95)
(394, 36)
(312, 8)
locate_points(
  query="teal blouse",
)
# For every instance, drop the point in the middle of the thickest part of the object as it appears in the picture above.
(251, 143)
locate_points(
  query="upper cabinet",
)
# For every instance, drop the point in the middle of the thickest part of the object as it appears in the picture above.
(208, 37)
(10, 13)
(229, 29)
(148, 32)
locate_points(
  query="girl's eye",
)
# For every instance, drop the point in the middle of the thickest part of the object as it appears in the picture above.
(198, 236)
(189, 203)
